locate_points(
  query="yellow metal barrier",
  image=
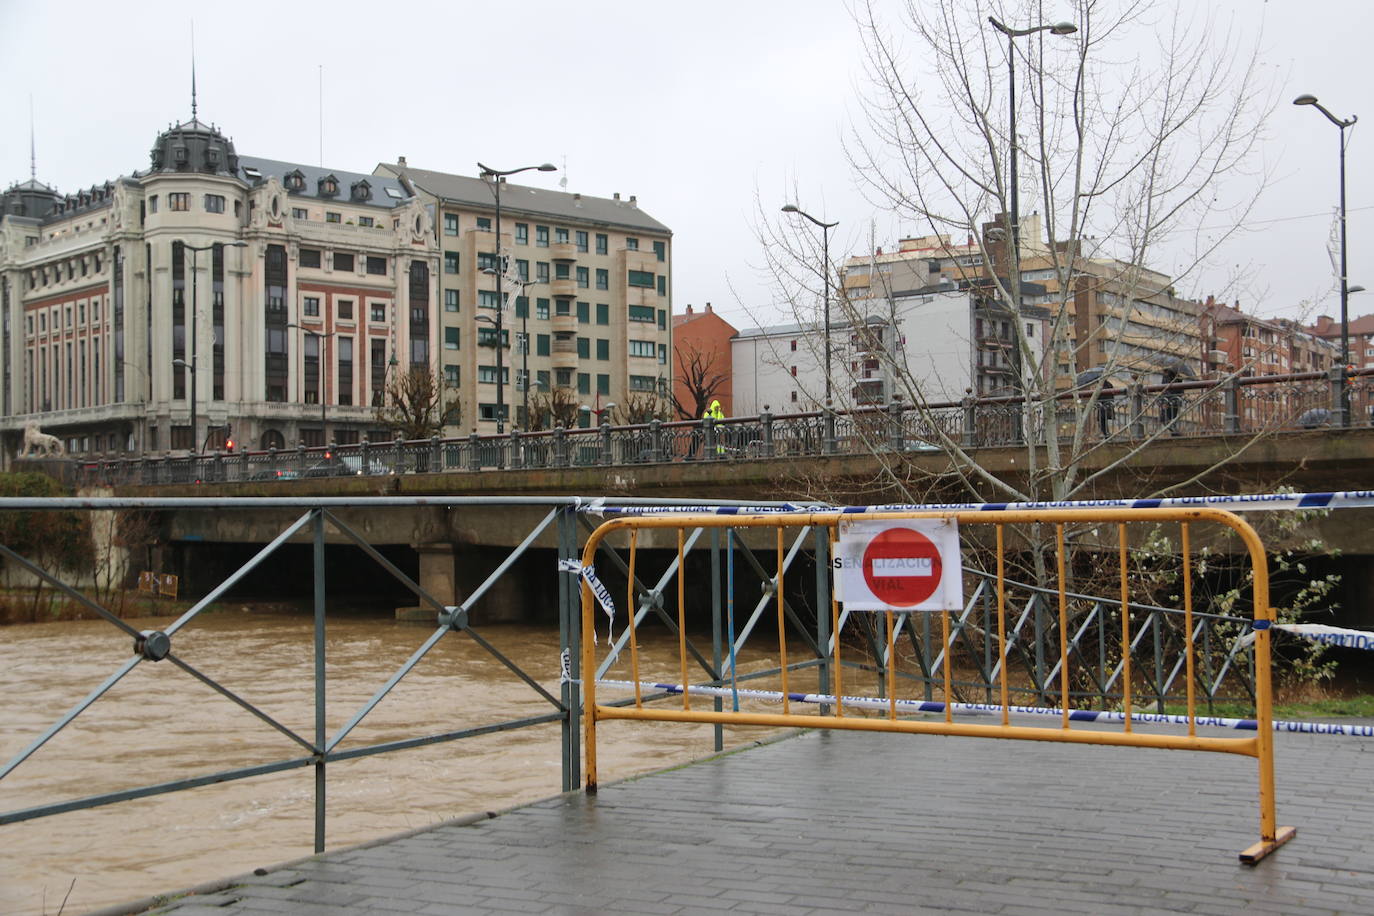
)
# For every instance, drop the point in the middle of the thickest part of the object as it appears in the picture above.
(1260, 745)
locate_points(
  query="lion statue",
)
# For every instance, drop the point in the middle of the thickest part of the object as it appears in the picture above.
(37, 442)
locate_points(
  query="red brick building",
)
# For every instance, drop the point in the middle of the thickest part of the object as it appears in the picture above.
(701, 360)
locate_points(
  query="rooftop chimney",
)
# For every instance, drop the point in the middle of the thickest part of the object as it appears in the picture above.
(689, 308)
(616, 195)
(634, 202)
(708, 306)
(400, 160)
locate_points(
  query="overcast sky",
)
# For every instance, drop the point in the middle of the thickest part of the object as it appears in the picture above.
(703, 110)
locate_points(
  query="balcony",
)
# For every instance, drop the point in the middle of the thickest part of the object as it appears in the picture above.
(563, 251)
(565, 288)
(565, 323)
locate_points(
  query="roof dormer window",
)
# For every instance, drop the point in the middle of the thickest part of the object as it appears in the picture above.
(329, 186)
(361, 190)
(295, 180)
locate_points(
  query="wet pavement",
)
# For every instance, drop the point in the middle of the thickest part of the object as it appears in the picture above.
(850, 822)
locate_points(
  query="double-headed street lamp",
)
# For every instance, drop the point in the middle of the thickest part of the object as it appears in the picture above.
(1306, 99)
(825, 274)
(195, 336)
(319, 336)
(496, 175)
(1058, 28)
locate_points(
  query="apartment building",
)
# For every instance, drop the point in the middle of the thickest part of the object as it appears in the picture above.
(209, 296)
(587, 284)
(1361, 336)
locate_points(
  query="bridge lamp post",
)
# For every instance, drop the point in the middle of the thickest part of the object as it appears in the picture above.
(324, 405)
(825, 274)
(1307, 99)
(195, 336)
(496, 176)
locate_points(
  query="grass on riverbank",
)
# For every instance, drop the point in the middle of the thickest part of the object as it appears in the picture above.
(1358, 705)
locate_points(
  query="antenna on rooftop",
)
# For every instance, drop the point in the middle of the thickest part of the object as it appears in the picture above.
(321, 115)
(563, 182)
(33, 154)
(193, 70)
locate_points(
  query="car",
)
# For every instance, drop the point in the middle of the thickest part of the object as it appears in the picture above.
(275, 474)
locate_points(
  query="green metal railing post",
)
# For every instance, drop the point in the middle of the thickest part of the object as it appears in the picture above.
(570, 648)
(320, 736)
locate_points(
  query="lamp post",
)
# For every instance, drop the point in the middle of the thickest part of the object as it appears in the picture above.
(195, 337)
(1058, 28)
(496, 175)
(825, 270)
(319, 335)
(1307, 99)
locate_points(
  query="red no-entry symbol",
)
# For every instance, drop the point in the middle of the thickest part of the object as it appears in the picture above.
(902, 567)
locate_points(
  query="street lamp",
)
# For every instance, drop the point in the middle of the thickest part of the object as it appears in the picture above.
(1058, 28)
(195, 337)
(1306, 99)
(522, 284)
(318, 335)
(496, 175)
(825, 270)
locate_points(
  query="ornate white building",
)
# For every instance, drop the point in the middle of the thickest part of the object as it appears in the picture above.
(212, 295)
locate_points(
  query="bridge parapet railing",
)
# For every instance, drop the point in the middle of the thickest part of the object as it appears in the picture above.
(1233, 405)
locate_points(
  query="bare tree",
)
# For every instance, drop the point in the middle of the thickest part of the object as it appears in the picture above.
(703, 374)
(554, 407)
(418, 403)
(1136, 131)
(643, 406)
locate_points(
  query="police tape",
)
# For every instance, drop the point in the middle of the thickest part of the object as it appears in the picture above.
(1338, 729)
(1253, 502)
(1340, 637)
(601, 593)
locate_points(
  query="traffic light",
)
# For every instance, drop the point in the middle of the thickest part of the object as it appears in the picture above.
(229, 437)
(229, 445)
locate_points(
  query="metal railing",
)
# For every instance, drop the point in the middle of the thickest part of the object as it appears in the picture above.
(1048, 644)
(1234, 406)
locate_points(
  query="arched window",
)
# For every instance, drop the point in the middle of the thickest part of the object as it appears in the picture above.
(272, 438)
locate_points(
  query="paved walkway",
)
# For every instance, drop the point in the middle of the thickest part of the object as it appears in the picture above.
(849, 822)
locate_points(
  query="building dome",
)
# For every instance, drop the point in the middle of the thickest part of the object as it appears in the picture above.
(194, 146)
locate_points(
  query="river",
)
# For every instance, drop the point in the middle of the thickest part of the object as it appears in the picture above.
(160, 724)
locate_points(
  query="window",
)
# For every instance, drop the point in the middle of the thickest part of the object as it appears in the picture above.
(663, 319)
(603, 313)
(489, 411)
(603, 349)
(450, 300)
(641, 313)
(345, 369)
(641, 348)
(366, 222)
(661, 250)
(584, 278)
(522, 270)
(584, 313)
(584, 383)
(563, 378)
(541, 236)
(643, 383)
(584, 348)
(581, 241)
(487, 299)
(603, 384)
(631, 243)
(343, 308)
(522, 342)
(376, 266)
(311, 307)
(603, 278)
(560, 236)
(295, 181)
(794, 346)
(662, 284)
(214, 203)
(562, 270)
(450, 375)
(541, 345)
(343, 261)
(486, 337)
(332, 217)
(179, 200)
(450, 262)
(487, 375)
(378, 311)
(486, 260)
(541, 309)
(451, 338)
(602, 243)
(450, 224)
(522, 233)
(300, 213)
(484, 223)
(563, 307)
(641, 278)
(522, 307)
(310, 257)
(663, 354)
(541, 272)
(152, 204)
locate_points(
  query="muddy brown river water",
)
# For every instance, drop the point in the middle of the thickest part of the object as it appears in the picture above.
(160, 724)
